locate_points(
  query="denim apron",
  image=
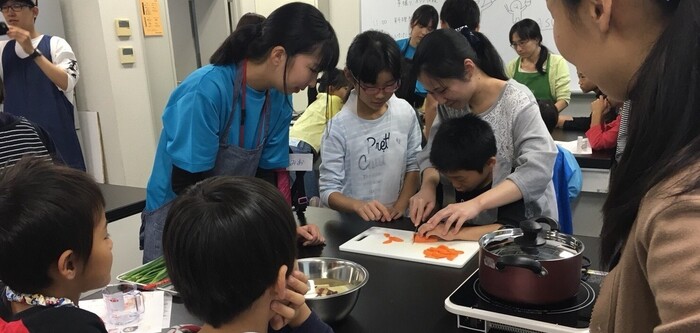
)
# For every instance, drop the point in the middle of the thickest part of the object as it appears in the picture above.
(31, 94)
(538, 83)
(231, 160)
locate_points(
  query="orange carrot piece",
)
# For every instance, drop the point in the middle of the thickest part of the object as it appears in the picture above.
(441, 252)
(420, 239)
(390, 238)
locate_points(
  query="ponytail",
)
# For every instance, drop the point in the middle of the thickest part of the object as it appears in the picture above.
(299, 28)
(441, 54)
(235, 47)
(544, 54)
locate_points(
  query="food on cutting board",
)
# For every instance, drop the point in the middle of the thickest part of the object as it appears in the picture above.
(327, 287)
(442, 252)
(391, 239)
(421, 239)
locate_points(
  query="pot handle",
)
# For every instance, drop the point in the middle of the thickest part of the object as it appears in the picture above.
(522, 262)
(553, 225)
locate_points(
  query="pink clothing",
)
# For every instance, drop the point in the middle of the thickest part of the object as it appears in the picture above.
(604, 136)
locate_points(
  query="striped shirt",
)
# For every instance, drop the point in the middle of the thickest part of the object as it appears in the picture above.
(20, 137)
(622, 133)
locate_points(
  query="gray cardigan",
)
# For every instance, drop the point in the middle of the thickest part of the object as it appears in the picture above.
(526, 150)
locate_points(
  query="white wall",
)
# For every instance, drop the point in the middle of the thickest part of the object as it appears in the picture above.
(160, 68)
(120, 94)
(50, 20)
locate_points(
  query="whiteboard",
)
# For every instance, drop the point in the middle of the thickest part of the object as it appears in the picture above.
(497, 17)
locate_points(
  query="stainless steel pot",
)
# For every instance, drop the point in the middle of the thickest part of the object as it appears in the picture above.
(529, 265)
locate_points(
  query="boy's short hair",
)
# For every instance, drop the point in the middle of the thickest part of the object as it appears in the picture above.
(457, 13)
(464, 143)
(224, 242)
(549, 114)
(45, 209)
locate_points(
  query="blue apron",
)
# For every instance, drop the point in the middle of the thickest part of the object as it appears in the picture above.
(31, 94)
(231, 160)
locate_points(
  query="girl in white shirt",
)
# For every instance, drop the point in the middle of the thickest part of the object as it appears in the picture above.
(368, 154)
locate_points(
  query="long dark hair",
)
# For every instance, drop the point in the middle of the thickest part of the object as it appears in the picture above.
(441, 54)
(298, 27)
(663, 126)
(529, 29)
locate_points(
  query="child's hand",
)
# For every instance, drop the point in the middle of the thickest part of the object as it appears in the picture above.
(600, 106)
(421, 204)
(310, 234)
(373, 211)
(395, 213)
(455, 214)
(291, 308)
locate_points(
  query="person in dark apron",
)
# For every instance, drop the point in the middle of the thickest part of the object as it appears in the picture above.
(546, 74)
(232, 117)
(39, 72)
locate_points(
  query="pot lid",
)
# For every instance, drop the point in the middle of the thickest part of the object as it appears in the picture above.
(532, 241)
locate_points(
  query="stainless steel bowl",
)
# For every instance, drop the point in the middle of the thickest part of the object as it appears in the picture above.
(331, 308)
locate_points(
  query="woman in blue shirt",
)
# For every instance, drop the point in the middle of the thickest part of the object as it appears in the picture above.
(232, 117)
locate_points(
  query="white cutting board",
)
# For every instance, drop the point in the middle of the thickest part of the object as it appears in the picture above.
(371, 242)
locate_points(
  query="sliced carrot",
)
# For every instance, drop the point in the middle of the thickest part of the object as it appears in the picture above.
(390, 238)
(441, 252)
(420, 239)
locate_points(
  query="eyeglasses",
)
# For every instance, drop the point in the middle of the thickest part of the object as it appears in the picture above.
(16, 7)
(520, 43)
(389, 89)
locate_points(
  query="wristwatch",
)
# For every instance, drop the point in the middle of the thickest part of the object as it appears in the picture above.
(34, 54)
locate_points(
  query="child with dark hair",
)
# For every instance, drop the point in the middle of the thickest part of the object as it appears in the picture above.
(51, 248)
(368, 159)
(464, 151)
(232, 117)
(305, 134)
(244, 279)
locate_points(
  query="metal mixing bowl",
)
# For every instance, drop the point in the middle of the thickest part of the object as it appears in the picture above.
(334, 307)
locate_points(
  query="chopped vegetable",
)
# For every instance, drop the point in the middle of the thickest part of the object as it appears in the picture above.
(420, 239)
(391, 239)
(442, 252)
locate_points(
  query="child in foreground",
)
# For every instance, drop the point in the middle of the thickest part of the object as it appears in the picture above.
(230, 247)
(54, 245)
